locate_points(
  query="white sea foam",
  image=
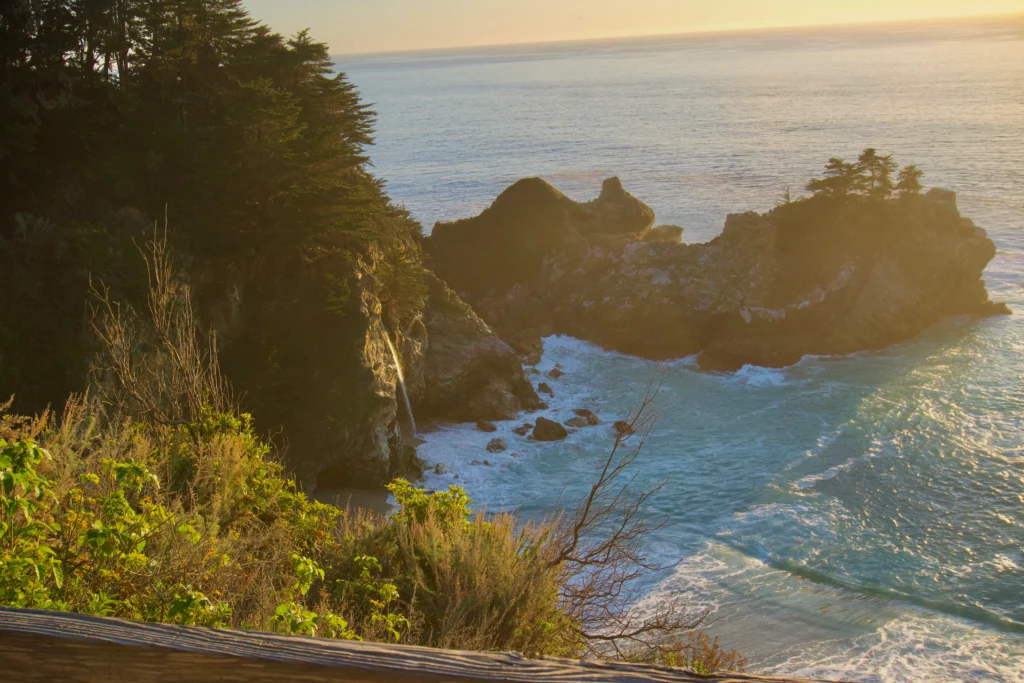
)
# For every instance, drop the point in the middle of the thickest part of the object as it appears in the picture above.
(812, 480)
(698, 578)
(784, 623)
(911, 648)
(757, 376)
(501, 484)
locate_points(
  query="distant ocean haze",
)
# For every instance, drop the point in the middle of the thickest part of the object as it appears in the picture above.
(857, 517)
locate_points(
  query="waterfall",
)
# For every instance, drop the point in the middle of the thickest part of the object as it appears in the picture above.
(401, 381)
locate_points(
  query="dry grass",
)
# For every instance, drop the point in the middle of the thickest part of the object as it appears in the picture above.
(203, 527)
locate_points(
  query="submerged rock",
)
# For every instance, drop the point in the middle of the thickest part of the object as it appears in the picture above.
(485, 426)
(622, 427)
(816, 276)
(545, 388)
(496, 446)
(523, 429)
(577, 422)
(527, 342)
(591, 419)
(555, 373)
(549, 430)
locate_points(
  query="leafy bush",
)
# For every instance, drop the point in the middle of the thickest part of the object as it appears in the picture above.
(88, 525)
(153, 499)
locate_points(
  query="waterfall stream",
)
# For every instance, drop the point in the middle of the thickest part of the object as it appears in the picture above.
(401, 382)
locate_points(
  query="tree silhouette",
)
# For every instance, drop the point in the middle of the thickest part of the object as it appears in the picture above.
(876, 171)
(841, 179)
(784, 198)
(909, 181)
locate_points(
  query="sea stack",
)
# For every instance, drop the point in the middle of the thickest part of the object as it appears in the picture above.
(821, 275)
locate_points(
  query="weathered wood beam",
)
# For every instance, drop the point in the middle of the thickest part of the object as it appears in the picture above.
(57, 646)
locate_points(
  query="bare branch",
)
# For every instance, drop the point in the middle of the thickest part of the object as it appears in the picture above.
(156, 367)
(600, 553)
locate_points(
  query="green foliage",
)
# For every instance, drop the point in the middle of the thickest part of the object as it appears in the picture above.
(870, 177)
(451, 507)
(29, 567)
(254, 146)
(909, 181)
(841, 179)
(92, 529)
(191, 608)
(380, 595)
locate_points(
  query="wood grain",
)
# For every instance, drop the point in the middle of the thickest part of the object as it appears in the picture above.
(57, 646)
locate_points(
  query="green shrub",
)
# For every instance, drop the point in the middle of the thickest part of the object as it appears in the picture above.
(146, 501)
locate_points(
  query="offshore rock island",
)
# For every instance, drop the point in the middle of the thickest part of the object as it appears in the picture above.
(825, 275)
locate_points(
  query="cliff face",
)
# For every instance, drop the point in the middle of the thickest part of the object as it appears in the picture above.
(811, 277)
(335, 394)
(469, 373)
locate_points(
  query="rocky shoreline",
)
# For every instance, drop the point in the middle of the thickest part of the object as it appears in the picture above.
(808, 277)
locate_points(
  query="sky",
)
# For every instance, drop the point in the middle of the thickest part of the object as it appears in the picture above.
(357, 26)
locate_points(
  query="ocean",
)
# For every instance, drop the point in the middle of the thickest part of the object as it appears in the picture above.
(857, 517)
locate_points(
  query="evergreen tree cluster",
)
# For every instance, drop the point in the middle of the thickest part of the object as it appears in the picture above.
(186, 103)
(115, 114)
(871, 176)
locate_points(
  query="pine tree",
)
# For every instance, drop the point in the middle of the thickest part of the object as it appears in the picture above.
(876, 171)
(784, 198)
(841, 179)
(909, 181)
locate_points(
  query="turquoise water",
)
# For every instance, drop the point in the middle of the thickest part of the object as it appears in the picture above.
(858, 517)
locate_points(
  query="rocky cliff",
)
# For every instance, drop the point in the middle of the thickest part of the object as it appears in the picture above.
(815, 276)
(335, 395)
(455, 368)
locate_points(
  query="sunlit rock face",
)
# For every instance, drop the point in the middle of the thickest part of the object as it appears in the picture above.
(820, 276)
(328, 377)
(470, 374)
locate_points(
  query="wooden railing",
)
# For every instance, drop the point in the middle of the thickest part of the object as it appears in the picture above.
(56, 646)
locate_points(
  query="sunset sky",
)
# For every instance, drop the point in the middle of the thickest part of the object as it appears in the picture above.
(391, 25)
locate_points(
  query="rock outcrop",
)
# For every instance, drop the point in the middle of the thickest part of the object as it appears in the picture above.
(507, 245)
(469, 373)
(817, 276)
(455, 367)
(548, 430)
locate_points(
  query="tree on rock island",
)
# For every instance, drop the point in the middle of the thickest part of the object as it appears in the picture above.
(870, 178)
(909, 181)
(876, 172)
(841, 179)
